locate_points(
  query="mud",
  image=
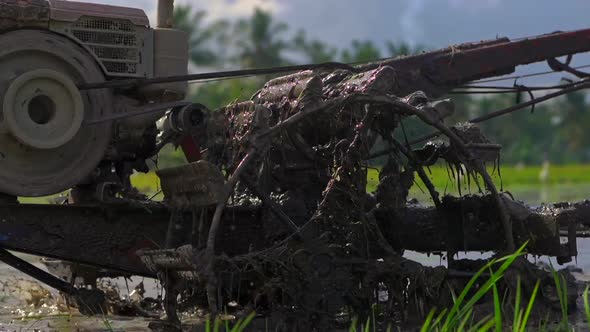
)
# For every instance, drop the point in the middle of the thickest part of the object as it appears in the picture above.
(27, 305)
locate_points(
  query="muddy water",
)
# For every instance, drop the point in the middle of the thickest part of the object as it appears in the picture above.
(25, 305)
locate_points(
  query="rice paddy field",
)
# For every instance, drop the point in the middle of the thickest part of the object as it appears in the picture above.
(532, 184)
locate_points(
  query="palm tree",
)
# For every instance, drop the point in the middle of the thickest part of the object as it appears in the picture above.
(314, 51)
(258, 41)
(361, 51)
(402, 48)
(202, 51)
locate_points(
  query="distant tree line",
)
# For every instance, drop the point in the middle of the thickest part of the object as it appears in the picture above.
(557, 131)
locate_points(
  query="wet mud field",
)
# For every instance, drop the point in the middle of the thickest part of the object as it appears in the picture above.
(26, 305)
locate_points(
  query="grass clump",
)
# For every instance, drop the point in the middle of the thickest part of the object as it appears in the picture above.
(460, 316)
(220, 325)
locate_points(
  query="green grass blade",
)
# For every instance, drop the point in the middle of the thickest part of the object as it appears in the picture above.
(529, 308)
(246, 322)
(517, 311)
(565, 299)
(587, 305)
(487, 326)
(561, 287)
(464, 320)
(482, 322)
(497, 275)
(389, 327)
(353, 325)
(497, 309)
(373, 309)
(368, 325)
(428, 322)
(520, 316)
(450, 317)
(208, 325)
(453, 294)
(439, 318)
(217, 325)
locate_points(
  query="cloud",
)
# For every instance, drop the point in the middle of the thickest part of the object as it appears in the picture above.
(217, 9)
(410, 21)
(475, 5)
(224, 9)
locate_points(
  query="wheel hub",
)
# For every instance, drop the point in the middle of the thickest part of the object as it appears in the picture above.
(43, 109)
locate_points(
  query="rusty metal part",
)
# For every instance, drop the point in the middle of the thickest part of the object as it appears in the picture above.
(28, 13)
(165, 14)
(198, 184)
(111, 234)
(108, 236)
(471, 224)
(71, 11)
(463, 63)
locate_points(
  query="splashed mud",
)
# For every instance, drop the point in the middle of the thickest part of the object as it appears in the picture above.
(27, 305)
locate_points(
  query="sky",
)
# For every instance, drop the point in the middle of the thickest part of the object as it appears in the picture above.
(433, 23)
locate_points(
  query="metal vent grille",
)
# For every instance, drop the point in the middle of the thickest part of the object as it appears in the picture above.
(114, 42)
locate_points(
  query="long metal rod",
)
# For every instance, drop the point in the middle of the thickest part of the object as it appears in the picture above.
(126, 83)
(138, 111)
(36, 273)
(274, 207)
(583, 84)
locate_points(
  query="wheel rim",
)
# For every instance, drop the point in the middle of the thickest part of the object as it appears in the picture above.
(46, 149)
(43, 109)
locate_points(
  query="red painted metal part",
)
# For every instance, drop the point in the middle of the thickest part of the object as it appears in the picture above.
(463, 63)
(191, 148)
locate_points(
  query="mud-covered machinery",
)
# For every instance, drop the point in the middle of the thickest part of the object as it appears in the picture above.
(271, 212)
(55, 136)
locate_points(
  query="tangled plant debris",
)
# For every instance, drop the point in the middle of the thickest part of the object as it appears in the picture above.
(297, 155)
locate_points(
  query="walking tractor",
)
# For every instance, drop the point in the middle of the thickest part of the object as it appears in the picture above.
(271, 212)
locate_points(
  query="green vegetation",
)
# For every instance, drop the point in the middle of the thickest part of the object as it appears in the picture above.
(220, 325)
(460, 316)
(510, 177)
(514, 317)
